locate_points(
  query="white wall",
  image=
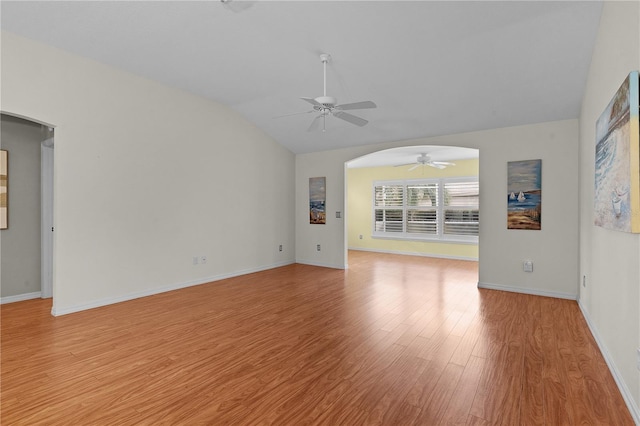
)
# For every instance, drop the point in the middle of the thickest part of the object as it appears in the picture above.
(554, 249)
(146, 177)
(20, 272)
(610, 260)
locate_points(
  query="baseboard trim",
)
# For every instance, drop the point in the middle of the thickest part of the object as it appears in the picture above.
(411, 253)
(20, 297)
(55, 311)
(320, 264)
(624, 390)
(532, 291)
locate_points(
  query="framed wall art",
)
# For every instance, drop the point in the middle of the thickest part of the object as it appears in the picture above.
(4, 189)
(524, 194)
(617, 161)
(317, 199)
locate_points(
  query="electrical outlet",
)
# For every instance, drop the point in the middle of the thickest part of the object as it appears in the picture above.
(338, 215)
(360, 236)
(280, 247)
(203, 259)
(527, 266)
(195, 260)
(638, 359)
(318, 247)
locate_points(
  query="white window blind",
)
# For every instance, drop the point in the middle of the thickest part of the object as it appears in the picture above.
(445, 209)
(461, 212)
(389, 200)
(422, 204)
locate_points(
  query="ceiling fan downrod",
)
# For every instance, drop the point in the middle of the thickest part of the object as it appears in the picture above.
(325, 58)
(327, 103)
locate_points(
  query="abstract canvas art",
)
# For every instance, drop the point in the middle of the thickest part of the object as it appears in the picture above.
(524, 194)
(617, 161)
(4, 223)
(317, 199)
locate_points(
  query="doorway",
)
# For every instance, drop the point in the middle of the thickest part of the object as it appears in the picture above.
(436, 227)
(46, 227)
(27, 243)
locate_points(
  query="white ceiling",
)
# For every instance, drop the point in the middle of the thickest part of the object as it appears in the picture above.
(432, 67)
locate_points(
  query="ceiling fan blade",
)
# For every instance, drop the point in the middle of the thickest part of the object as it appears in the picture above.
(350, 118)
(312, 101)
(443, 163)
(402, 165)
(437, 166)
(295, 113)
(415, 167)
(315, 124)
(357, 105)
(237, 6)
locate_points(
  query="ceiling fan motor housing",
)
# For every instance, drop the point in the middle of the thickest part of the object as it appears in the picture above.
(327, 101)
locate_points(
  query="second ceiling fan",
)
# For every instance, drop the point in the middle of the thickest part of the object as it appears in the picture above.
(328, 106)
(425, 160)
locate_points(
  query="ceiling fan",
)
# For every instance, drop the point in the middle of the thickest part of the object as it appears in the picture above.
(424, 160)
(328, 106)
(237, 6)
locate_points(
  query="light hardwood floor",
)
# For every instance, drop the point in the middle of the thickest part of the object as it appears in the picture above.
(394, 340)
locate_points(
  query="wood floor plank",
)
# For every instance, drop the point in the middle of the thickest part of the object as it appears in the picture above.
(425, 384)
(467, 344)
(384, 403)
(557, 407)
(460, 403)
(532, 397)
(395, 340)
(434, 409)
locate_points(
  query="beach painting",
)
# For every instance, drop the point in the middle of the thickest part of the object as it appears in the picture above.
(317, 199)
(617, 161)
(4, 224)
(524, 194)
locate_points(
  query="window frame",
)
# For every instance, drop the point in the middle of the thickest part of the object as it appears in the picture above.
(439, 235)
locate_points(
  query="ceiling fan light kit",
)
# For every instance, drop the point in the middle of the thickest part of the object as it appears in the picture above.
(328, 105)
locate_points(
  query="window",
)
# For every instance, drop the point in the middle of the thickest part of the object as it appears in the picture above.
(388, 212)
(422, 209)
(461, 214)
(431, 209)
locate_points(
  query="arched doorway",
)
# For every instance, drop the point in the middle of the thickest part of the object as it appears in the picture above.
(445, 226)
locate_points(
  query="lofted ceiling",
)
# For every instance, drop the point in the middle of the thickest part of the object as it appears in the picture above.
(432, 67)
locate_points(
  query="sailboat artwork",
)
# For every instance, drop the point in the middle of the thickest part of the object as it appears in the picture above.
(317, 200)
(524, 178)
(617, 161)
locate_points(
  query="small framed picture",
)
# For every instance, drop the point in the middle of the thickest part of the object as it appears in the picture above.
(4, 188)
(317, 199)
(524, 194)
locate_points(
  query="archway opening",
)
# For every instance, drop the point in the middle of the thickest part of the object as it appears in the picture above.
(420, 200)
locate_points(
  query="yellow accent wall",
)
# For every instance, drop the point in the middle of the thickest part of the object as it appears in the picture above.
(359, 216)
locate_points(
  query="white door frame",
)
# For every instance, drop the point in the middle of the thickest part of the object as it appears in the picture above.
(46, 227)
